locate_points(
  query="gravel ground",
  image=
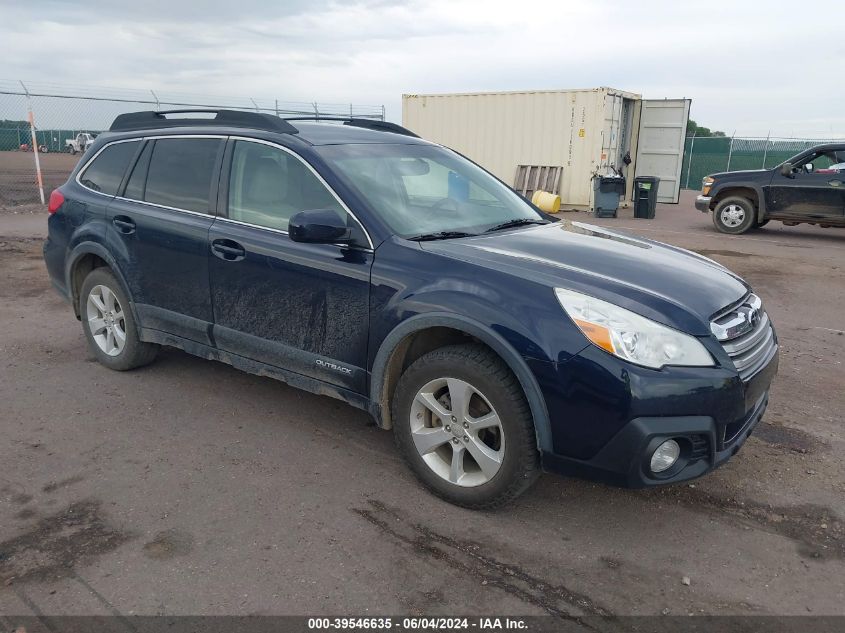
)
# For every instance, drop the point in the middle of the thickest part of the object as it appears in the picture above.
(190, 488)
(18, 182)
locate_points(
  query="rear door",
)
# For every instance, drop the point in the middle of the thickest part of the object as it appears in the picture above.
(160, 226)
(300, 307)
(660, 145)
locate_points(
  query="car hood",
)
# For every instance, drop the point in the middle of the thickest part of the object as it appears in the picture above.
(667, 284)
(740, 173)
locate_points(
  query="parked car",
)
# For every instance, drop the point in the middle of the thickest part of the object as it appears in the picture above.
(79, 143)
(355, 260)
(808, 188)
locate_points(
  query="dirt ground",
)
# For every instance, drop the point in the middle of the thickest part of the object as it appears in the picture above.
(18, 183)
(188, 487)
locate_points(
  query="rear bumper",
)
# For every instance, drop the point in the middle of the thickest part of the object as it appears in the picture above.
(702, 203)
(54, 259)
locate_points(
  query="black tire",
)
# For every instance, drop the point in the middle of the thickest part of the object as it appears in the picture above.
(735, 205)
(134, 353)
(72, 150)
(488, 374)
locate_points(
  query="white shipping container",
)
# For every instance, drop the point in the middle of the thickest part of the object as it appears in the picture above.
(583, 131)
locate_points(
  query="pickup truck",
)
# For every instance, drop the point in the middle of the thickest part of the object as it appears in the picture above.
(808, 188)
(80, 143)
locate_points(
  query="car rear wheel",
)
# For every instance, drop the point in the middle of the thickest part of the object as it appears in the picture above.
(463, 426)
(109, 325)
(734, 215)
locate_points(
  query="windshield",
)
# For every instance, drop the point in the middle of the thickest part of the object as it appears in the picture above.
(424, 189)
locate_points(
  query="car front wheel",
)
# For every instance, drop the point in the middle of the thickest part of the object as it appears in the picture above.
(734, 215)
(462, 424)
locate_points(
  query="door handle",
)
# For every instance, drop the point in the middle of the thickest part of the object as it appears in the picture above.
(228, 250)
(124, 224)
(834, 183)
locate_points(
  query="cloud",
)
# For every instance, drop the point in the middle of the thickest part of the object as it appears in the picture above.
(745, 69)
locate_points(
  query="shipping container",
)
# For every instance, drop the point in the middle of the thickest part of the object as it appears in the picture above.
(559, 138)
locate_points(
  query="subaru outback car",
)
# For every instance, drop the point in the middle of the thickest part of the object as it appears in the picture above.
(355, 260)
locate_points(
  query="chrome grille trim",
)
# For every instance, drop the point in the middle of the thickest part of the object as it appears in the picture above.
(744, 343)
(746, 334)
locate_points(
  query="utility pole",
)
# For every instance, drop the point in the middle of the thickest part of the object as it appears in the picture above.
(38, 177)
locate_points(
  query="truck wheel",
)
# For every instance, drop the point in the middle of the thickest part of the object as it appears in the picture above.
(108, 323)
(463, 426)
(72, 150)
(734, 215)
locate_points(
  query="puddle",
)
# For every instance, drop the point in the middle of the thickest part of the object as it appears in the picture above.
(57, 544)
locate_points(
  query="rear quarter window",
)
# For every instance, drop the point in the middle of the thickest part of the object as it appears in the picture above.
(105, 173)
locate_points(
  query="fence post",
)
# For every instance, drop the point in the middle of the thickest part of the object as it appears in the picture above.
(730, 152)
(34, 143)
(689, 163)
(766, 150)
(158, 105)
(316, 111)
(277, 107)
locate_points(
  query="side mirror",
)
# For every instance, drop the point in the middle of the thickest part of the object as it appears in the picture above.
(786, 170)
(319, 226)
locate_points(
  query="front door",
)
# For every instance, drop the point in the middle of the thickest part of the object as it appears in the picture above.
(161, 221)
(814, 189)
(300, 307)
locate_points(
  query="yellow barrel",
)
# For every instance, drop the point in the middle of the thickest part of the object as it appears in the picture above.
(548, 202)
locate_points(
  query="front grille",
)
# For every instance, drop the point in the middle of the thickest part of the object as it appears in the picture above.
(746, 335)
(733, 430)
(699, 447)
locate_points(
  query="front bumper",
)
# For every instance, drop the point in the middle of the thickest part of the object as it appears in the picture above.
(625, 460)
(608, 417)
(702, 203)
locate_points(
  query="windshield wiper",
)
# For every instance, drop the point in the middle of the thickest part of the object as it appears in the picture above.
(440, 235)
(514, 223)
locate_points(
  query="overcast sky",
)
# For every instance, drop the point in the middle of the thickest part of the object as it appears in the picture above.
(753, 67)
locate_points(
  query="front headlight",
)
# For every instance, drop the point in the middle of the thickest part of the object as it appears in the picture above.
(630, 336)
(706, 184)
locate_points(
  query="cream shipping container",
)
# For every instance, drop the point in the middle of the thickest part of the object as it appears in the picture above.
(558, 139)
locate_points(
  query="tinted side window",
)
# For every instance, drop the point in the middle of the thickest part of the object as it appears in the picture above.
(267, 186)
(106, 171)
(135, 186)
(180, 173)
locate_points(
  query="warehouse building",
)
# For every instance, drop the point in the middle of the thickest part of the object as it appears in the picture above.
(557, 140)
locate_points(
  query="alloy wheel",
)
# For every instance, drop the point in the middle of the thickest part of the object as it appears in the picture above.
(732, 215)
(106, 320)
(457, 432)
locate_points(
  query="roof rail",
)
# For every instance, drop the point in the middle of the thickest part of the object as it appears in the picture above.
(370, 124)
(238, 118)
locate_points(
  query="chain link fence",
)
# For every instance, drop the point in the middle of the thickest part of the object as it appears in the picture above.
(60, 113)
(709, 155)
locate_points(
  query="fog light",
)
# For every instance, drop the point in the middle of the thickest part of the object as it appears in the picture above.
(665, 456)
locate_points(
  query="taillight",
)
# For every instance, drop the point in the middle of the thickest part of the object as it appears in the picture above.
(56, 200)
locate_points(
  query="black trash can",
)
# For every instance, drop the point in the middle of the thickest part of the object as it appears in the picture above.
(645, 196)
(607, 190)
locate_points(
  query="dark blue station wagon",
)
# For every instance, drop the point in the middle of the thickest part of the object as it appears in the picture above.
(355, 260)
